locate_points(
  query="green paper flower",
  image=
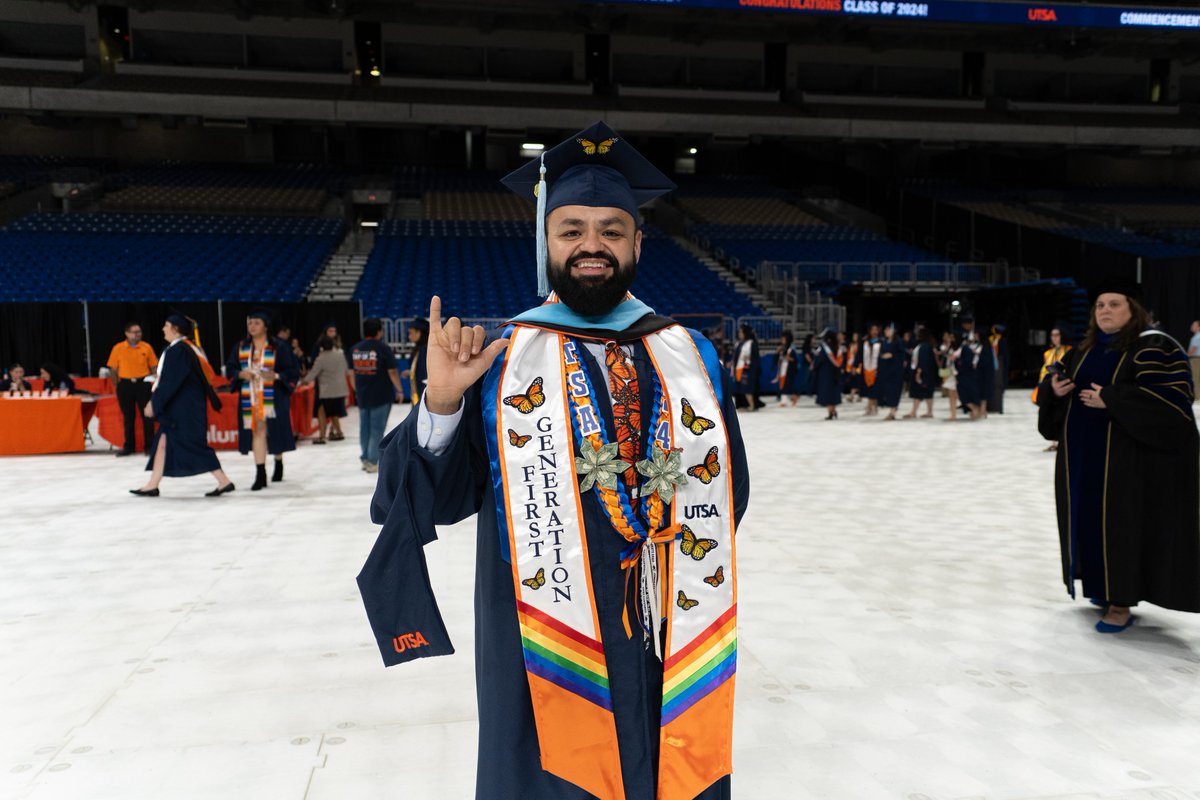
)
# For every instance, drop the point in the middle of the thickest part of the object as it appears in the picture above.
(664, 472)
(599, 466)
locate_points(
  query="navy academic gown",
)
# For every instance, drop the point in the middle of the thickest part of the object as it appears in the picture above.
(280, 438)
(890, 379)
(180, 402)
(1127, 477)
(926, 371)
(969, 378)
(417, 491)
(998, 359)
(828, 379)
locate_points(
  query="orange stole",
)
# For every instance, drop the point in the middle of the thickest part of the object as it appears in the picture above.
(869, 376)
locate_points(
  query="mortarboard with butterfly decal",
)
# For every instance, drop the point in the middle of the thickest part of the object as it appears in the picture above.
(594, 168)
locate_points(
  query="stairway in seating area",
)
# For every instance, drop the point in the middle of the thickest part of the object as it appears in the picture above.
(339, 277)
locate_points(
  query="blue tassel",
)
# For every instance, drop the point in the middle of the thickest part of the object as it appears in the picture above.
(542, 253)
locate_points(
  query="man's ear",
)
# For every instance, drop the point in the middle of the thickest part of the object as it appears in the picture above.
(637, 246)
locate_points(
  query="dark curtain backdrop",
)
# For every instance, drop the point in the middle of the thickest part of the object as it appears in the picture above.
(34, 333)
(1171, 290)
(306, 320)
(107, 325)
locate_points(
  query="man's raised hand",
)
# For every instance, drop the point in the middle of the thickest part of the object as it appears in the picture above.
(456, 358)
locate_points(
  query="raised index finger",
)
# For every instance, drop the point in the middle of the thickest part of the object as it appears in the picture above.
(435, 315)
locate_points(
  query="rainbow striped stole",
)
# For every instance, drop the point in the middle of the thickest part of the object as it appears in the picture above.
(534, 440)
(258, 394)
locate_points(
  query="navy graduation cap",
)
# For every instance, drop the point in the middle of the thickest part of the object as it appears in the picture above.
(594, 168)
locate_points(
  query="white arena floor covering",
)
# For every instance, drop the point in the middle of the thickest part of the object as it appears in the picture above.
(904, 633)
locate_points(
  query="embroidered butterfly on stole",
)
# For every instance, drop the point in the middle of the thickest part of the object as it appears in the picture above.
(591, 148)
(697, 425)
(685, 602)
(533, 398)
(693, 546)
(537, 581)
(717, 578)
(710, 469)
(517, 441)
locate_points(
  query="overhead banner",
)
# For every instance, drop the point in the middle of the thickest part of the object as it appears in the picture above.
(980, 11)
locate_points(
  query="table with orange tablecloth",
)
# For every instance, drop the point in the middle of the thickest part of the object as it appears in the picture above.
(222, 425)
(30, 426)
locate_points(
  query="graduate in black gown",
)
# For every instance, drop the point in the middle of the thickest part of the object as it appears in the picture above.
(747, 369)
(923, 372)
(970, 369)
(1127, 477)
(996, 349)
(893, 359)
(787, 371)
(263, 373)
(437, 468)
(828, 361)
(868, 362)
(179, 402)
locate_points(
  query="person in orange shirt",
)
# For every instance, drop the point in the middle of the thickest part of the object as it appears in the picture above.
(133, 364)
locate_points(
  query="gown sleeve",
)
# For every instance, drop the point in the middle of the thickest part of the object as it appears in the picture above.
(1156, 407)
(417, 491)
(233, 365)
(737, 451)
(1052, 409)
(287, 367)
(174, 373)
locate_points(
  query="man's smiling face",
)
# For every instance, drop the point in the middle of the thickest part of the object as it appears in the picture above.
(593, 255)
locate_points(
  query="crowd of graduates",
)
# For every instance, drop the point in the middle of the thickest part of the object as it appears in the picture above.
(878, 367)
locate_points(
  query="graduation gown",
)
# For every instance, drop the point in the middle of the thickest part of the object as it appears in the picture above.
(791, 381)
(417, 491)
(969, 379)
(924, 378)
(748, 382)
(889, 382)
(827, 376)
(1127, 477)
(997, 357)
(180, 402)
(280, 438)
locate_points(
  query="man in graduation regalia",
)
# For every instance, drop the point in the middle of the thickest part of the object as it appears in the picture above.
(599, 445)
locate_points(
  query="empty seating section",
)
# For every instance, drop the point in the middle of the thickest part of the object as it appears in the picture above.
(483, 268)
(198, 188)
(126, 257)
(477, 206)
(745, 211)
(828, 252)
(1129, 242)
(1013, 213)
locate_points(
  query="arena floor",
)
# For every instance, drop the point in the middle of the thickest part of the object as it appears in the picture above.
(904, 633)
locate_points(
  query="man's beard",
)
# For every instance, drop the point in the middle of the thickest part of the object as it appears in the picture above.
(592, 297)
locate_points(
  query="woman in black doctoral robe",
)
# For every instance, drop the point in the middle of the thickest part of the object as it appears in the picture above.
(1127, 477)
(179, 403)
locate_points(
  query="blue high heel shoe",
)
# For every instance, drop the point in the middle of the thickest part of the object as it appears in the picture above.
(1104, 627)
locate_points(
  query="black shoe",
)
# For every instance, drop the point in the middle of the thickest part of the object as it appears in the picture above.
(124, 453)
(260, 478)
(146, 493)
(220, 490)
(318, 441)
(277, 476)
